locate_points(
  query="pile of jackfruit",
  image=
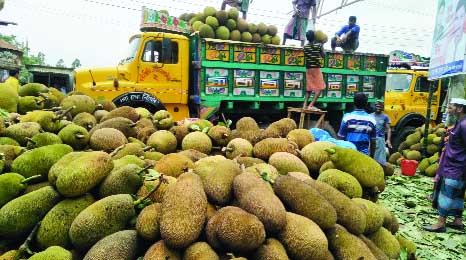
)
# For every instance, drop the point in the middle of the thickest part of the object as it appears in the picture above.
(411, 149)
(84, 179)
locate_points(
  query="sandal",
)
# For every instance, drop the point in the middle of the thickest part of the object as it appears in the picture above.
(455, 226)
(436, 230)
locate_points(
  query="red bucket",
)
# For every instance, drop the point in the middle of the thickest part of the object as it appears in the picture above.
(408, 167)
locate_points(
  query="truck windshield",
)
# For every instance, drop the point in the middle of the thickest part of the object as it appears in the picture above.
(133, 48)
(398, 82)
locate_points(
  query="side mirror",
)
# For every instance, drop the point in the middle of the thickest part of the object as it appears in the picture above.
(166, 50)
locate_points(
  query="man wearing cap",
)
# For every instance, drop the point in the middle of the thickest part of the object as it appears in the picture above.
(449, 192)
(358, 127)
(382, 127)
(348, 36)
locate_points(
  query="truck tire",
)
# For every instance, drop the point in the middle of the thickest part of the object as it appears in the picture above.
(401, 136)
(139, 99)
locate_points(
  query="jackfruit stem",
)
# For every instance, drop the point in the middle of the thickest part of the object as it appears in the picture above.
(63, 113)
(217, 148)
(140, 200)
(32, 178)
(30, 140)
(132, 125)
(24, 248)
(330, 150)
(144, 169)
(79, 136)
(116, 150)
(147, 148)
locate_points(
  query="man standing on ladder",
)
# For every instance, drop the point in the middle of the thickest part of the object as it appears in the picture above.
(297, 27)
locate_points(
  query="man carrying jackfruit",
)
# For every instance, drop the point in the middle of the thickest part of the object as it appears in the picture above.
(241, 5)
(358, 127)
(13, 79)
(451, 184)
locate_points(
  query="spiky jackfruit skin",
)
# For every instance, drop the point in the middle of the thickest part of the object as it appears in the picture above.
(217, 179)
(255, 197)
(127, 159)
(184, 208)
(160, 251)
(374, 215)
(32, 89)
(407, 245)
(119, 245)
(147, 223)
(394, 157)
(19, 216)
(74, 135)
(156, 196)
(345, 245)
(349, 214)
(21, 131)
(368, 171)
(85, 120)
(124, 111)
(9, 255)
(302, 238)
(8, 140)
(10, 186)
(431, 170)
(200, 251)
(126, 180)
(314, 154)
(220, 135)
(265, 148)
(46, 119)
(197, 141)
(54, 252)
(50, 100)
(135, 149)
(390, 222)
(342, 181)
(379, 254)
(54, 228)
(174, 164)
(82, 103)
(43, 139)
(238, 147)
(286, 162)
(236, 230)
(387, 242)
(180, 131)
(303, 199)
(272, 249)
(10, 152)
(9, 98)
(107, 139)
(124, 125)
(249, 161)
(247, 124)
(74, 178)
(57, 168)
(30, 103)
(163, 141)
(301, 137)
(104, 217)
(284, 125)
(38, 161)
(414, 155)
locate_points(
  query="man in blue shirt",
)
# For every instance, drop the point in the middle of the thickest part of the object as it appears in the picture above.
(348, 36)
(358, 127)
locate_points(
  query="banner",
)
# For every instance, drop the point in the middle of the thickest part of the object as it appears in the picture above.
(449, 41)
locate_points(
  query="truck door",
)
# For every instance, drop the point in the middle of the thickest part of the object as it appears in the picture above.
(420, 96)
(159, 71)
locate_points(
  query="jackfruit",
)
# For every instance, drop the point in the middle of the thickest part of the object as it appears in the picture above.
(53, 252)
(48, 120)
(414, 155)
(57, 93)
(206, 31)
(256, 38)
(432, 148)
(389, 169)
(43, 139)
(390, 222)
(30, 103)
(285, 125)
(85, 120)
(416, 147)
(220, 135)
(160, 251)
(238, 147)
(302, 238)
(21, 131)
(32, 89)
(200, 251)
(286, 162)
(304, 200)
(9, 98)
(99, 114)
(246, 123)
(349, 213)
(266, 39)
(257, 198)
(56, 169)
(209, 11)
(388, 243)
(174, 164)
(422, 166)
(301, 137)
(50, 100)
(235, 35)
(368, 171)
(104, 217)
(345, 245)
(413, 138)
(222, 17)
(242, 26)
(38, 161)
(379, 254)
(119, 245)
(156, 196)
(126, 180)
(74, 135)
(262, 28)
(124, 111)
(147, 223)
(265, 171)
(163, 141)
(107, 139)
(82, 103)
(231, 25)
(196, 26)
(233, 13)
(163, 119)
(125, 125)
(394, 157)
(180, 131)
(19, 216)
(314, 154)
(407, 245)
(183, 213)
(136, 149)
(9, 141)
(200, 125)
(249, 161)
(272, 249)
(127, 159)
(434, 158)
(197, 141)
(265, 148)
(342, 181)
(11, 185)
(431, 170)
(374, 215)
(326, 166)
(76, 177)
(246, 36)
(54, 228)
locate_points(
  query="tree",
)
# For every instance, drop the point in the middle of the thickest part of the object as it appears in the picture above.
(76, 63)
(60, 63)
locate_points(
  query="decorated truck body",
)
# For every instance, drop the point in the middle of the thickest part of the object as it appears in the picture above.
(169, 68)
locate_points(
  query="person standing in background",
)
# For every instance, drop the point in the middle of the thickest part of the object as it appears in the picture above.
(382, 128)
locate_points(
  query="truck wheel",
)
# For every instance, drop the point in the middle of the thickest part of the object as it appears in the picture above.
(401, 136)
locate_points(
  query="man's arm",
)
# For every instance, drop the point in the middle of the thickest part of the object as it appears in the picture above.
(388, 129)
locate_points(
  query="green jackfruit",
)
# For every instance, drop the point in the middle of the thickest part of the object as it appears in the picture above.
(124, 111)
(53, 252)
(48, 120)
(38, 161)
(82, 174)
(242, 25)
(249, 161)
(124, 125)
(57, 93)
(9, 153)
(407, 245)
(11, 185)
(174, 164)
(50, 100)
(271, 249)
(135, 149)
(303, 199)
(82, 103)
(160, 251)
(349, 213)
(127, 159)
(222, 33)
(374, 215)
(156, 196)
(85, 120)
(431, 170)
(147, 223)
(394, 157)
(8, 141)
(74, 135)
(43, 139)
(180, 131)
(126, 180)
(422, 166)
(184, 203)
(22, 131)
(33, 187)
(104, 217)
(342, 181)
(19, 216)
(30, 103)
(379, 254)
(257, 198)
(238, 147)
(265, 148)
(54, 228)
(326, 166)
(119, 245)
(301, 137)
(200, 251)
(32, 89)
(233, 13)
(9, 98)
(231, 24)
(286, 162)
(302, 238)
(275, 40)
(246, 123)
(262, 28)
(246, 36)
(414, 155)
(220, 135)
(413, 138)
(163, 141)
(368, 171)
(388, 243)
(107, 139)
(197, 141)
(432, 148)
(345, 245)
(163, 119)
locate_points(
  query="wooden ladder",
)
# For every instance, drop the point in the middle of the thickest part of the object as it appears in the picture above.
(305, 116)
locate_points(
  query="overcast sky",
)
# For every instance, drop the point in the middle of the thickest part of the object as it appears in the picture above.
(97, 31)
